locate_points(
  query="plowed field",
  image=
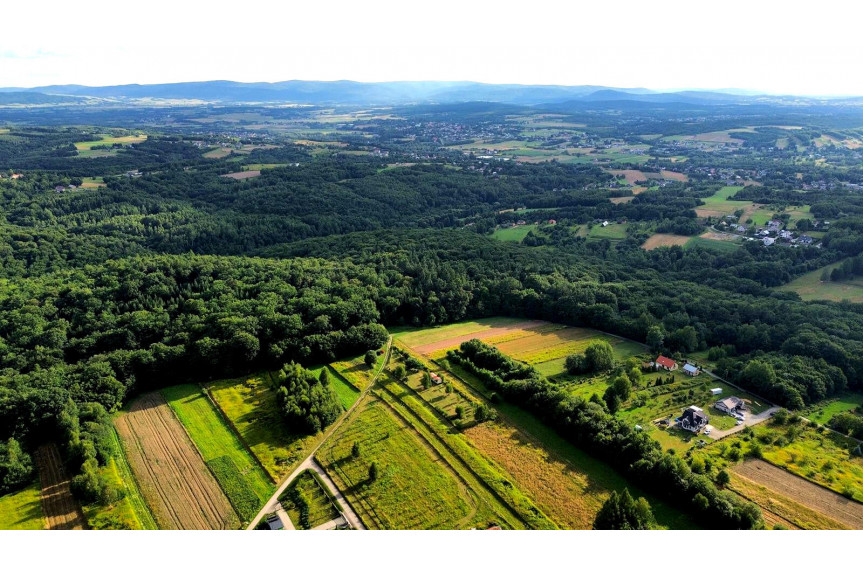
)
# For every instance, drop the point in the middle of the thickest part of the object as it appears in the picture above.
(58, 505)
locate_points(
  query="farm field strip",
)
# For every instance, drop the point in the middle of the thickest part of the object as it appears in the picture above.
(664, 240)
(453, 342)
(238, 474)
(802, 491)
(179, 488)
(58, 505)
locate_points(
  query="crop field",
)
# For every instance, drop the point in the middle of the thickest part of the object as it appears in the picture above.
(218, 153)
(59, 506)
(631, 176)
(664, 241)
(834, 506)
(92, 183)
(676, 176)
(415, 489)
(22, 509)
(172, 476)
(238, 474)
(321, 509)
(822, 413)
(719, 205)
(438, 339)
(250, 405)
(713, 242)
(346, 392)
(810, 287)
(513, 234)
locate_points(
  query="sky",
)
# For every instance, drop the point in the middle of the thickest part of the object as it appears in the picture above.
(791, 47)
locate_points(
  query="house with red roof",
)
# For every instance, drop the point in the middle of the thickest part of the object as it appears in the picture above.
(666, 363)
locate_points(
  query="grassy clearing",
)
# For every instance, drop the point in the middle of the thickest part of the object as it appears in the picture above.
(824, 411)
(610, 232)
(321, 508)
(810, 287)
(711, 244)
(355, 371)
(22, 509)
(250, 404)
(414, 337)
(347, 393)
(664, 241)
(514, 234)
(238, 474)
(110, 141)
(92, 183)
(414, 489)
(261, 167)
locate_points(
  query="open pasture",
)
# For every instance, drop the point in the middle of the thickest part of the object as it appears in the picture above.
(822, 412)
(175, 482)
(321, 508)
(514, 233)
(810, 287)
(22, 509)
(243, 175)
(609, 232)
(430, 340)
(347, 393)
(110, 141)
(664, 241)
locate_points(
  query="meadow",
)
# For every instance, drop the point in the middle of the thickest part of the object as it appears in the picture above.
(321, 507)
(347, 393)
(238, 474)
(609, 232)
(22, 509)
(822, 412)
(250, 405)
(664, 241)
(810, 287)
(513, 234)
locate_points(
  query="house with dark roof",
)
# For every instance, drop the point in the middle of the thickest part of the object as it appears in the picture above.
(731, 405)
(666, 363)
(693, 419)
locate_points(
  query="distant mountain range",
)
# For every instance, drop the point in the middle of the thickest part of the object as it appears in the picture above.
(359, 93)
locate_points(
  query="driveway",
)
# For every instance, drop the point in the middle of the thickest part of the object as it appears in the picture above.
(748, 422)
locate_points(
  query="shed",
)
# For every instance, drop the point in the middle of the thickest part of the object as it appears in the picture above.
(716, 391)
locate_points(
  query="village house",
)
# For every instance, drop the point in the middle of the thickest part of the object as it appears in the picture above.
(691, 370)
(693, 419)
(666, 363)
(768, 241)
(730, 405)
(436, 379)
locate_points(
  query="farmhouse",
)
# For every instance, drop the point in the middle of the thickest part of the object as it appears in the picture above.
(693, 419)
(730, 405)
(690, 369)
(666, 363)
(436, 379)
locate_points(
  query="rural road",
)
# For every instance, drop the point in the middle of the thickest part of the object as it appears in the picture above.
(309, 463)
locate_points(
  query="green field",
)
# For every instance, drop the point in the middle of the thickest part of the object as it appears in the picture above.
(822, 412)
(238, 474)
(85, 149)
(413, 490)
(514, 234)
(248, 167)
(321, 508)
(414, 337)
(810, 287)
(355, 371)
(610, 232)
(250, 404)
(22, 509)
(346, 392)
(719, 245)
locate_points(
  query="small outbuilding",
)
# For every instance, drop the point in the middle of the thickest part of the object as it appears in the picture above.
(274, 523)
(690, 369)
(716, 391)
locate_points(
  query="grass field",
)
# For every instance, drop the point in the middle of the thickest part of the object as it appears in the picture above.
(610, 232)
(261, 167)
(414, 489)
(250, 404)
(810, 287)
(822, 412)
(92, 183)
(664, 240)
(22, 509)
(415, 337)
(321, 508)
(355, 371)
(346, 392)
(719, 205)
(514, 234)
(110, 141)
(238, 474)
(713, 244)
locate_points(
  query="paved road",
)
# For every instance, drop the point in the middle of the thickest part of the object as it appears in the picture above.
(310, 463)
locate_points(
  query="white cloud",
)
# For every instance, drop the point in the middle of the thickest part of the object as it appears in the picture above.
(788, 47)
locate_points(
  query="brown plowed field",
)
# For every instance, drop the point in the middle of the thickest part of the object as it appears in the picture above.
(803, 492)
(58, 505)
(173, 478)
(454, 342)
(664, 240)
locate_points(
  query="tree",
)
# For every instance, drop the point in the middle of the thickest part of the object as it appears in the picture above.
(373, 472)
(16, 466)
(324, 378)
(426, 380)
(612, 400)
(655, 338)
(599, 356)
(722, 478)
(355, 450)
(399, 372)
(308, 405)
(459, 411)
(448, 387)
(622, 512)
(622, 387)
(370, 358)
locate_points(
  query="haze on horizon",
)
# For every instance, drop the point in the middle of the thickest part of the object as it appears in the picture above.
(660, 45)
